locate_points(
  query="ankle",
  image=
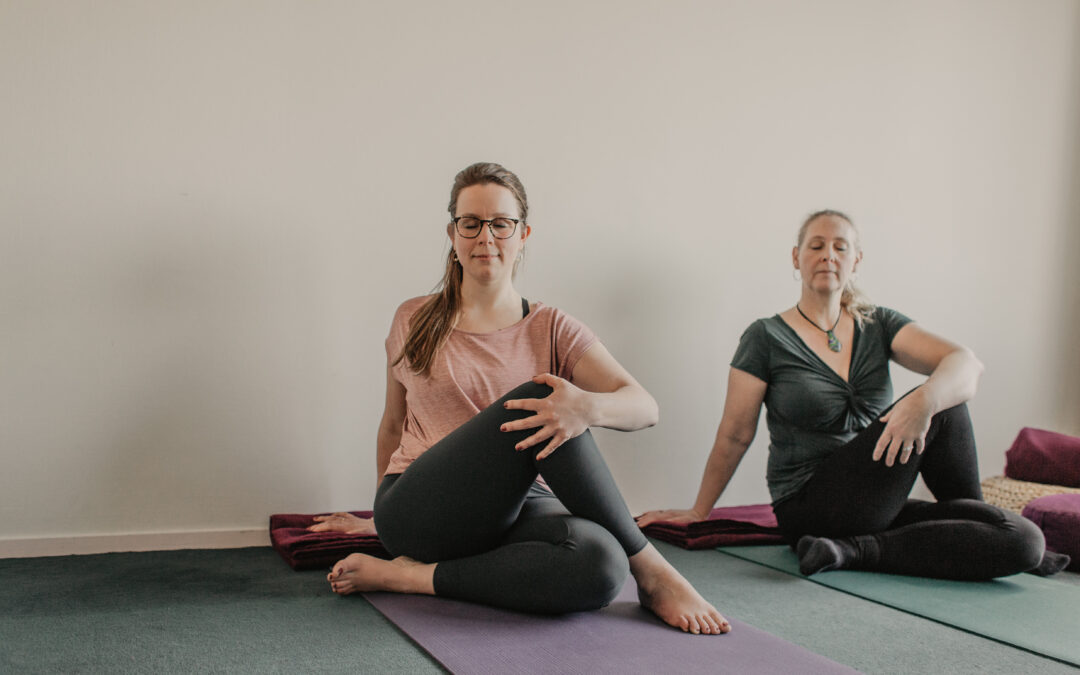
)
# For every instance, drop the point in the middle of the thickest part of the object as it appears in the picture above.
(822, 554)
(645, 561)
(651, 570)
(413, 578)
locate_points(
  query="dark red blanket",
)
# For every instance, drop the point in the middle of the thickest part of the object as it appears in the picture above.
(305, 550)
(726, 526)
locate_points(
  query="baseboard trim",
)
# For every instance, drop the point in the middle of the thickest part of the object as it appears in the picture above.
(37, 547)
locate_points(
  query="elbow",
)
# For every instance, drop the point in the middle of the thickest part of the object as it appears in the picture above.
(978, 371)
(980, 368)
(740, 442)
(736, 439)
(977, 368)
(652, 413)
(974, 369)
(390, 431)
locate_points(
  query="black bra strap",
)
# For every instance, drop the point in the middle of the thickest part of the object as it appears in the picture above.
(524, 308)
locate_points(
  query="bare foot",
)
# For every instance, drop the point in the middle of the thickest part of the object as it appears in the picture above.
(345, 523)
(358, 573)
(665, 592)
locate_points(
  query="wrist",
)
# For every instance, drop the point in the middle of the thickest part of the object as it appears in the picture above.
(590, 409)
(925, 397)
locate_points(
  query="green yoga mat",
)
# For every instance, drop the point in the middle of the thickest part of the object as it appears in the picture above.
(1036, 614)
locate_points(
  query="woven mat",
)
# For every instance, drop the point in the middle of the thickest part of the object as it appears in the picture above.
(1014, 495)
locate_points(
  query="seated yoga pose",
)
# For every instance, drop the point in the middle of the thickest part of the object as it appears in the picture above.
(485, 393)
(842, 461)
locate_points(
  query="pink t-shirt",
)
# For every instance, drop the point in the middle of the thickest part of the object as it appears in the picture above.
(473, 370)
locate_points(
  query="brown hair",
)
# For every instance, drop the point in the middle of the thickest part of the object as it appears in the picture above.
(432, 323)
(851, 298)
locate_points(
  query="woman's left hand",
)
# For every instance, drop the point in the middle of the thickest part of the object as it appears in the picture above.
(905, 429)
(560, 416)
(343, 522)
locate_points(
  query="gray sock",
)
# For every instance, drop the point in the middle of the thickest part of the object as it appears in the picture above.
(1052, 563)
(820, 554)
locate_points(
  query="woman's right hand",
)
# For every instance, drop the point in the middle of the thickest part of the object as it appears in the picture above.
(670, 516)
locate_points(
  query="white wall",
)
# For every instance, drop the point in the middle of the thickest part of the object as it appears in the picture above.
(210, 210)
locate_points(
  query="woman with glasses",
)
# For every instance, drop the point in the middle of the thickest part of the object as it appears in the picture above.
(463, 442)
(842, 461)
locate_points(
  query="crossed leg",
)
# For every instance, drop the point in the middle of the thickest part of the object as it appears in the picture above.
(467, 510)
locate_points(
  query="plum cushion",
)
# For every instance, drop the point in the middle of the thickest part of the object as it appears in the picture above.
(1042, 456)
(1058, 516)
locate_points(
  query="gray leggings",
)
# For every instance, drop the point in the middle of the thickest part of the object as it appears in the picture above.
(471, 504)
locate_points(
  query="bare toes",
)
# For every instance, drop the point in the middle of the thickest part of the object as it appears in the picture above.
(722, 623)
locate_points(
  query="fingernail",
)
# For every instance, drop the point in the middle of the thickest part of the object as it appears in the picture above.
(502, 428)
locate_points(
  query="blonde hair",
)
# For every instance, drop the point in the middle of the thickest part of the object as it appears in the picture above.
(852, 298)
(432, 323)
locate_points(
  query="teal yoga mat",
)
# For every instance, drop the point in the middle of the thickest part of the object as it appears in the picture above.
(1036, 614)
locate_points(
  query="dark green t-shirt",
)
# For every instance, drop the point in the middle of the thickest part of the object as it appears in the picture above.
(811, 409)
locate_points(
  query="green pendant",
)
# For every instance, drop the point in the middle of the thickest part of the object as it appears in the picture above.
(834, 342)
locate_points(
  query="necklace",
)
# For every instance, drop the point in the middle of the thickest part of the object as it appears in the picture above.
(834, 342)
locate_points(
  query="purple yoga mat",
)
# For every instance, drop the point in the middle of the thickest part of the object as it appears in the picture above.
(621, 638)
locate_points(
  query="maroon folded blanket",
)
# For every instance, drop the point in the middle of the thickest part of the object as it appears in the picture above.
(726, 526)
(1047, 457)
(305, 550)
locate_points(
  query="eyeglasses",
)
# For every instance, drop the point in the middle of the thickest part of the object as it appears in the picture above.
(501, 228)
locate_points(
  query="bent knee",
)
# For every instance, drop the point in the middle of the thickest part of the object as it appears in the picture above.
(957, 413)
(609, 569)
(528, 389)
(1020, 546)
(1029, 544)
(600, 567)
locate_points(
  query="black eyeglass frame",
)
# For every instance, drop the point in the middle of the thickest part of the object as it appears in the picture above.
(515, 221)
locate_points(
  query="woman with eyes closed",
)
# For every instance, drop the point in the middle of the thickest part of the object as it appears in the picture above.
(842, 461)
(463, 441)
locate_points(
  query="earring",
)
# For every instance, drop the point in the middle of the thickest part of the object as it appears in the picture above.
(796, 274)
(453, 256)
(520, 255)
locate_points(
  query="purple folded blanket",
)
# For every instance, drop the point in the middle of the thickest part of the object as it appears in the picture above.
(305, 550)
(726, 526)
(1047, 457)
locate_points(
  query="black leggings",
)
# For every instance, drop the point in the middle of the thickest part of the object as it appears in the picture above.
(958, 537)
(470, 503)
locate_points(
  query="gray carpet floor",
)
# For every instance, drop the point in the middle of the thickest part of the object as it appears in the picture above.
(245, 611)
